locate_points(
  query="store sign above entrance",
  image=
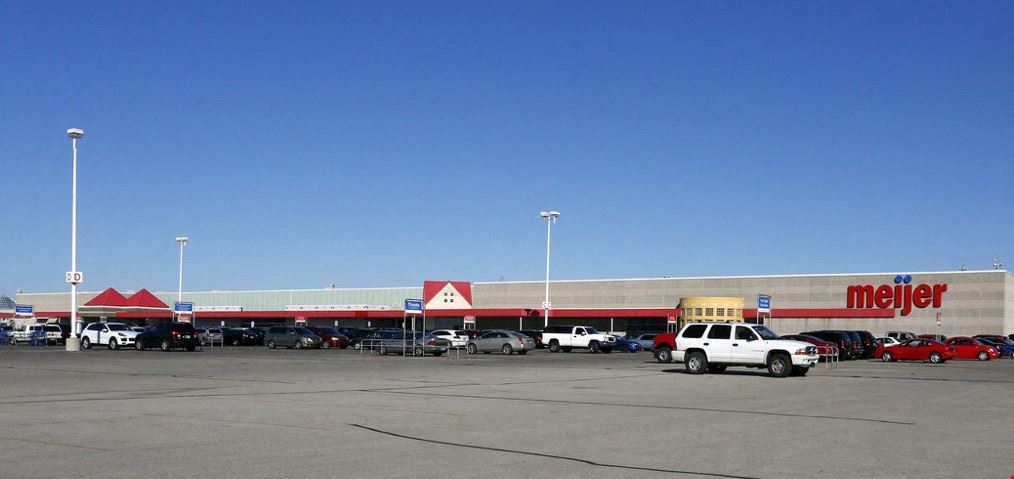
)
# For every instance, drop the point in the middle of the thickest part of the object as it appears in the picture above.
(902, 295)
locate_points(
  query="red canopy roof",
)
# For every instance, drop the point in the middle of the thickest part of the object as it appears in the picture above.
(144, 299)
(109, 297)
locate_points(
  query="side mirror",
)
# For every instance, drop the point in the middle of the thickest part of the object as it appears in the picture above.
(584, 333)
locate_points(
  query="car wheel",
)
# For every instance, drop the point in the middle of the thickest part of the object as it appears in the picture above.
(325, 344)
(523, 352)
(383, 350)
(271, 344)
(419, 352)
(1012, 354)
(472, 349)
(779, 365)
(887, 356)
(663, 354)
(936, 358)
(697, 363)
(507, 349)
(554, 346)
(983, 356)
(165, 345)
(138, 346)
(235, 342)
(298, 344)
(593, 346)
(716, 368)
(112, 344)
(357, 346)
(85, 342)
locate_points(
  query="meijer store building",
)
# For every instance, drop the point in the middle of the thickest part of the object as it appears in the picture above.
(964, 303)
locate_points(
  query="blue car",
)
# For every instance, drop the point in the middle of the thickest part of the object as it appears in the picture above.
(1006, 347)
(625, 345)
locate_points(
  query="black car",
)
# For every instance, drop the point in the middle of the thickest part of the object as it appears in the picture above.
(252, 337)
(841, 339)
(232, 336)
(869, 342)
(355, 335)
(534, 334)
(168, 336)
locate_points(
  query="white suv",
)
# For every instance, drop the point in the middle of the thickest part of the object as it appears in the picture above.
(712, 346)
(113, 335)
(458, 339)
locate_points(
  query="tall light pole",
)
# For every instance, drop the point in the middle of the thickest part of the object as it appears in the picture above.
(182, 240)
(73, 276)
(550, 217)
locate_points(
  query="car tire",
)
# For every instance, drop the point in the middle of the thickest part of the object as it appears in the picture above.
(236, 342)
(554, 346)
(357, 346)
(85, 343)
(325, 344)
(271, 344)
(298, 344)
(697, 363)
(472, 349)
(936, 358)
(507, 350)
(382, 351)
(523, 352)
(716, 368)
(113, 344)
(663, 354)
(887, 356)
(165, 346)
(593, 346)
(983, 356)
(779, 365)
(138, 346)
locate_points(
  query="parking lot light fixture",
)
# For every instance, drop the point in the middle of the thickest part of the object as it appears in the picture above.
(550, 217)
(73, 342)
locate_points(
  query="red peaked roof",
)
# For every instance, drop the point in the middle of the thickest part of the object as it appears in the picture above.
(109, 297)
(144, 299)
(431, 288)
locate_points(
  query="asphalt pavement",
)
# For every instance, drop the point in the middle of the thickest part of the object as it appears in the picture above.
(259, 413)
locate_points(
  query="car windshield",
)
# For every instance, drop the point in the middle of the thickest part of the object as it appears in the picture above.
(591, 330)
(765, 333)
(303, 331)
(118, 327)
(328, 330)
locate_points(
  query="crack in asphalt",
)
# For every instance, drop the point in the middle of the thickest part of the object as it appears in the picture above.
(550, 456)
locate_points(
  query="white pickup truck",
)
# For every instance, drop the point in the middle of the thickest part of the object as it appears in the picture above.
(566, 338)
(713, 346)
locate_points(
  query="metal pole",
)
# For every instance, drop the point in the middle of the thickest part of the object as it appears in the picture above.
(179, 296)
(73, 243)
(549, 235)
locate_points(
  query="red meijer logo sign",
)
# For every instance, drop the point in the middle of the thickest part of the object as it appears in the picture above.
(902, 295)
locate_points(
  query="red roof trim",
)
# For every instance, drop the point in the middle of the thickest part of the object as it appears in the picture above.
(431, 288)
(144, 299)
(824, 313)
(109, 297)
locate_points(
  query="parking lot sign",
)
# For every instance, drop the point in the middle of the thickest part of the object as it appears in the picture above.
(181, 308)
(413, 306)
(763, 303)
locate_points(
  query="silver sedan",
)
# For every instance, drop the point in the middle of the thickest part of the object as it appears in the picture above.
(505, 341)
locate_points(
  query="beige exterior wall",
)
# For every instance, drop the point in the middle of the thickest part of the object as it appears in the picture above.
(975, 301)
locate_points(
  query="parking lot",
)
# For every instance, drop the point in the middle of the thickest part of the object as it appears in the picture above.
(254, 412)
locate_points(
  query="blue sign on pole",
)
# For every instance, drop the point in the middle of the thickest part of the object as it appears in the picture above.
(24, 309)
(183, 307)
(413, 306)
(763, 304)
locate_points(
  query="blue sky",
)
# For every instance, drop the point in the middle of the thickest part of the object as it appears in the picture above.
(366, 144)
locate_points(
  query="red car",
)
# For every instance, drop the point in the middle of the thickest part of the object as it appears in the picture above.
(969, 348)
(330, 337)
(824, 348)
(663, 344)
(918, 349)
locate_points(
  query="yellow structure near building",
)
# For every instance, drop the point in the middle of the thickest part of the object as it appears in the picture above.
(711, 308)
